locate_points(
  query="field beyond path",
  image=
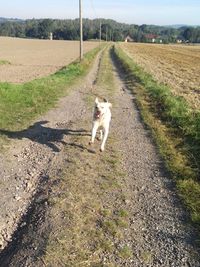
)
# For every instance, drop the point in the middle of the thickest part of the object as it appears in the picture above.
(177, 66)
(29, 59)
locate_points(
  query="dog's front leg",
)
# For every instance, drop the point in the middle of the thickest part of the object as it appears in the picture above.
(105, 136)
(94, 131)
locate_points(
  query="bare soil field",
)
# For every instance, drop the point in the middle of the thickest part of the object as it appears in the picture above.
(175, 65)
(30, 59)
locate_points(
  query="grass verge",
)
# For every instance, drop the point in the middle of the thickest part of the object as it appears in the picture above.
(175, 127)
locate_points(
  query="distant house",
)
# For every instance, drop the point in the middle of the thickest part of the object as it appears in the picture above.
(153, 38)
(128, 39)
(51, 36)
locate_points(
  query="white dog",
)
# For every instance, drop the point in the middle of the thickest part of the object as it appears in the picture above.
(101, 119)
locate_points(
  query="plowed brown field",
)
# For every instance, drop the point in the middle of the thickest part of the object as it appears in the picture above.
(175, 65)
(31, 59)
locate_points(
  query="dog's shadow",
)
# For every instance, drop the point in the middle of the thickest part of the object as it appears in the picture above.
(45, 135)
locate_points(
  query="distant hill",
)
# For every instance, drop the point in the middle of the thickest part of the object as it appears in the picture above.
(178, 26)
(10, 19)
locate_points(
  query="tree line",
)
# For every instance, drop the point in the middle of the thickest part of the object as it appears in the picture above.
(110, 30)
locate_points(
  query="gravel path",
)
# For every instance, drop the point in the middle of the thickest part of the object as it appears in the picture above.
(158, 234)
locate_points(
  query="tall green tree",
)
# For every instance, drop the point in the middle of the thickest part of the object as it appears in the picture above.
(44, 28)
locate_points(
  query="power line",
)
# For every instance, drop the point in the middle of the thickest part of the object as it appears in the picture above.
(92, 5)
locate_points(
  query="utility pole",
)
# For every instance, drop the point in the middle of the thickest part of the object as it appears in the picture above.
(110, 35)
(81, 30)
(100, 33)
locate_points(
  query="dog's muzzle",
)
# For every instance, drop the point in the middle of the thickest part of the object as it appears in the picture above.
(97, 114)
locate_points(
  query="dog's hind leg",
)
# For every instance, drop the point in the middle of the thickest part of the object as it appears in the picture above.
(101, 135)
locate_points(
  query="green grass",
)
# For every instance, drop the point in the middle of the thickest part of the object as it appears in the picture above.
(104, 76)
(4, 62)
(19, 104)
(146, 257)
(175, 127)
(125, 252)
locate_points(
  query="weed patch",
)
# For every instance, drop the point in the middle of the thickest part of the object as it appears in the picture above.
(4, 62)
(125, 252)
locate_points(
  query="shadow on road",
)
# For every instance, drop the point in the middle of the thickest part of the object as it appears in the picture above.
(43, 135)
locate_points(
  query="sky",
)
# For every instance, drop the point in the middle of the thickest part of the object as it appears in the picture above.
(158, 12)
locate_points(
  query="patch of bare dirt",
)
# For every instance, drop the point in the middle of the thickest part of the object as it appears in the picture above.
(175, 65)
(31, 59)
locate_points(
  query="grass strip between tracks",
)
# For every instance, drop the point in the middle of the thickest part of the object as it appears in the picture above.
(175, 128)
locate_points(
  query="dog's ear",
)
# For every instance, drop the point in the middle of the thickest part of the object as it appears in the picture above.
(96, 100)
(109, 105)
(105, 100)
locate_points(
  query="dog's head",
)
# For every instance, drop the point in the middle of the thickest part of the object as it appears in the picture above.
(101, 108)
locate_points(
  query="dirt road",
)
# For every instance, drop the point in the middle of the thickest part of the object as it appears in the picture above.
(117, 208)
